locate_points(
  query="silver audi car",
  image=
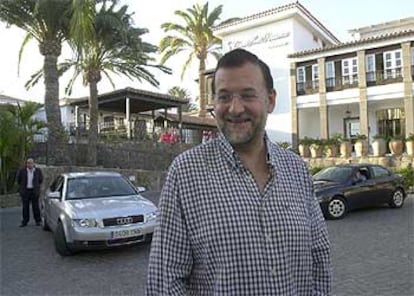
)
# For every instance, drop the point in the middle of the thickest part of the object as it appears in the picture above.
(93, 210)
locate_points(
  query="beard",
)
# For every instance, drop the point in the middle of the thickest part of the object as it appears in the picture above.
(242, 130)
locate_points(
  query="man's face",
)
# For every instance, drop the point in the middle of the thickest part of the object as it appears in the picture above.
(29, 163)
(242, 103)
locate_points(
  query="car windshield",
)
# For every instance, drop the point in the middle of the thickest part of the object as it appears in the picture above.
(333, 174)
(98, 186)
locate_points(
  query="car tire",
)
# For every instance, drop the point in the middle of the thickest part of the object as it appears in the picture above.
(397, 199)
(61, 245)
(337, 208)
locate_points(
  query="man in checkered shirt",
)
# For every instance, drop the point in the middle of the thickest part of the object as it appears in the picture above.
(238, 215)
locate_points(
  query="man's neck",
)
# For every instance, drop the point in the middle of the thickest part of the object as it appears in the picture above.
(253, 155)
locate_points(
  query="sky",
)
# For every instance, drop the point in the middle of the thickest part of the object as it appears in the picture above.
(337, 16)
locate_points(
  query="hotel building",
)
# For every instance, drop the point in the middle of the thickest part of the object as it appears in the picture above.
(361, 87)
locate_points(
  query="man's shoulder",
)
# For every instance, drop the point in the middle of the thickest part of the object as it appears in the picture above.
(199, 154)
(285, 154)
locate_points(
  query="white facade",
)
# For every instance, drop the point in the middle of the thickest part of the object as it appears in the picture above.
(272, 35)
(67, 113)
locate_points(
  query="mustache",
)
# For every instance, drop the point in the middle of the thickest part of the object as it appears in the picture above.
(240, 117)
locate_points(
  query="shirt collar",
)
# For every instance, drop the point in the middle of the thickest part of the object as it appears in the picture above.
(233, 158)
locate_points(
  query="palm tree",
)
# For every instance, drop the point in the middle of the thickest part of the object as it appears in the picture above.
(196, 37)
(183, 93)
(46, 21)
(114, 45)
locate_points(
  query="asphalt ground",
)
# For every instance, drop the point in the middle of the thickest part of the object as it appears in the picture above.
(372, 254)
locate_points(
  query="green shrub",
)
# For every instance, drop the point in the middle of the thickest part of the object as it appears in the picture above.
(314, 170)
(408, 175)
(284, 145)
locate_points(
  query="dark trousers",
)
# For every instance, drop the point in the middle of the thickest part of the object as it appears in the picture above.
(28, 197)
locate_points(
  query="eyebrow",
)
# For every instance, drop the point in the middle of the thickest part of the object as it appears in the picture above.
(247, 89)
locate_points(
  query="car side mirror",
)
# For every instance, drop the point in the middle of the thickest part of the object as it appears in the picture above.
(141, 189)
(54, 195)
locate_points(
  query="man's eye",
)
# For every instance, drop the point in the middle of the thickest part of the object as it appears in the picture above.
(224, 97)
(248, 96)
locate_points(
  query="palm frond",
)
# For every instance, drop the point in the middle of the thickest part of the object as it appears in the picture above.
(193, 34)
(22, 47)
(186, 64)
(34, 79)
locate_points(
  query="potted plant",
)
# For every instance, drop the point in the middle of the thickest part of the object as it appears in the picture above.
(316, 148)
(331, 147)
(361, 146)
(379, 145)
(409, 144)
(345, 147)
(304, 146)
(396, 145)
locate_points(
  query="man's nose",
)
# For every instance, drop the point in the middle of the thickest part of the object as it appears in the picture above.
(236, 104)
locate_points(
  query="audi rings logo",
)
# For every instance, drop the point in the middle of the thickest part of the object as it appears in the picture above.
(124, 220)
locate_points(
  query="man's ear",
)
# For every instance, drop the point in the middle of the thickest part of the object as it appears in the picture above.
(272, 101)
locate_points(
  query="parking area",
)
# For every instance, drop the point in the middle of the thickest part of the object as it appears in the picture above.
(372, 252)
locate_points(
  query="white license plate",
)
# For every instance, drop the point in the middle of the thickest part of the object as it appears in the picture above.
(126, 233)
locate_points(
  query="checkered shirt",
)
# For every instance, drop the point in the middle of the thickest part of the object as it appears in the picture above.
(220, 235)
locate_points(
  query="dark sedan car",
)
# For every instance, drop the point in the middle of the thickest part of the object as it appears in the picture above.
(342, 188)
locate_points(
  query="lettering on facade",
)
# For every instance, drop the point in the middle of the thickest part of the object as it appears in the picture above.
(259, 39)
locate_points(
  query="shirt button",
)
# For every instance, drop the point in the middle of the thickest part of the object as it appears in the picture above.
(274, 271)
(268, 238)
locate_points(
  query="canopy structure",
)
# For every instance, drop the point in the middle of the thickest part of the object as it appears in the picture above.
(133, 101)
(136, 100)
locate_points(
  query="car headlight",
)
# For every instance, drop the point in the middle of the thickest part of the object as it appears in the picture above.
(85, 222)
(151, 216)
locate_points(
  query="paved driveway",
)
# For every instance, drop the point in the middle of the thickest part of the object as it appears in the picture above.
(373, 253)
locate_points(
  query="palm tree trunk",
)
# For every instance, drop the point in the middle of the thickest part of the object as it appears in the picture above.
(93, 121)
(57, 150)
(202, 87)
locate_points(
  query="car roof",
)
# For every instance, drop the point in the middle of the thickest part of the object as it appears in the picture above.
(91, 174)
(358, 165)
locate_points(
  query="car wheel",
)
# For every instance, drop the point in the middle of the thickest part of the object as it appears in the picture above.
(337, 208)
(61, 245)
(397, 199)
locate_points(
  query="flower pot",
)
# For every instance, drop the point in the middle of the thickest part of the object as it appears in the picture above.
(396, 147)
(304, 150)
(379, 147)
(345, 149)
(409, 147)
(331, 151)
(315, 151)
(361, 148)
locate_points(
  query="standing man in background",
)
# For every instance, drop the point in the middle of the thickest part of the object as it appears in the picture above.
(29, 180)
(238, 214)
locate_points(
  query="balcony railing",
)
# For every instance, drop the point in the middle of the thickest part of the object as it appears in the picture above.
(307, 87)
(384, 76)
(379, 77)
(342, 82)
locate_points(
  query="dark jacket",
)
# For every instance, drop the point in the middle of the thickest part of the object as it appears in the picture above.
(22, 180)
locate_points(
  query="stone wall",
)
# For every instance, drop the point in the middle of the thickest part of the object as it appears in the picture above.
(10, 200)
(387, 161)
(146, 155)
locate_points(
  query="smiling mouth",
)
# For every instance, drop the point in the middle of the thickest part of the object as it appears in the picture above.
(238, 124)
(238, 120)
